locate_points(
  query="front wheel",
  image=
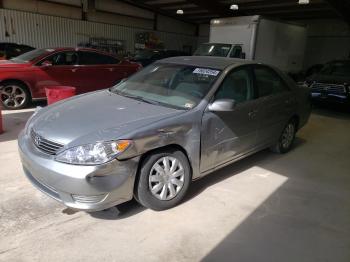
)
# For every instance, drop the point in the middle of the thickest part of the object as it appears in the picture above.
(163, 180)
(14, 95)
(285, 142)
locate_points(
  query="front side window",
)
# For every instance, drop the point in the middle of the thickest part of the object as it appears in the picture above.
(176, 86)
(236, 52)
(268, 81)
(237, 85)
(62, 58)
(93, 58)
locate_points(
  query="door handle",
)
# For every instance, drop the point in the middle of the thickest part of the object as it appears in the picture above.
(110, 69)
(74, 70)
(252, 114)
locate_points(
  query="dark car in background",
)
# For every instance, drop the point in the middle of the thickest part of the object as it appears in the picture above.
(25, 77)
(10, 50)
(332, 83)
(148, 56)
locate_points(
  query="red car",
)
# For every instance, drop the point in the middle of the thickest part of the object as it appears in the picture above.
(24, 78)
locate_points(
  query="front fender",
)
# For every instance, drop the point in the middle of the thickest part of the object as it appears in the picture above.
(182, 130)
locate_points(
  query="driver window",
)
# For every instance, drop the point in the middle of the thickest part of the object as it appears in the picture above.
(62, 58)
(236, 52)
(237, 85)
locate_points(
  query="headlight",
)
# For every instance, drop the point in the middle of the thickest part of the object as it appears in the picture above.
(93, 154)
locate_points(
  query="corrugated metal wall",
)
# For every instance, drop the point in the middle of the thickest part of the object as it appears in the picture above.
(49, 31)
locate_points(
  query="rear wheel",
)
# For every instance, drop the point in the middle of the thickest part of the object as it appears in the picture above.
(285, 142)
(163, 180)
(14, 95)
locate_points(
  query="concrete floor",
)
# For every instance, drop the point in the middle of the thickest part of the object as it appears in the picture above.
(293, 207)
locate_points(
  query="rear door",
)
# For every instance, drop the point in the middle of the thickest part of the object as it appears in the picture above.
(98, 71)
(226, 135)
(277, 104)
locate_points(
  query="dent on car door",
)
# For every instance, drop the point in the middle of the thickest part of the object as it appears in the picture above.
(58, 69)
(226, 135)
(277, 104)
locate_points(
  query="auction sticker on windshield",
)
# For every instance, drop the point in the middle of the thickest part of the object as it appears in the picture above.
(205, 71)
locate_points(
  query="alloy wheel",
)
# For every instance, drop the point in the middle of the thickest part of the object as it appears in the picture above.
(13, 96)
(166, 178)
(288, 135)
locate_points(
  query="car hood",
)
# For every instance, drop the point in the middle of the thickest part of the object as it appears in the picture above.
(96, 116)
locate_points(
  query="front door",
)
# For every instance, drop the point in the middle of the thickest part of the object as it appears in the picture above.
(62, 71)
(226, 135)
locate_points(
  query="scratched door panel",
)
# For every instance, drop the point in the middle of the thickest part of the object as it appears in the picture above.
(226, 135)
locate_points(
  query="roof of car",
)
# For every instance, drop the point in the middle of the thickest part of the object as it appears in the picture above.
(205, 61)
(60, 49)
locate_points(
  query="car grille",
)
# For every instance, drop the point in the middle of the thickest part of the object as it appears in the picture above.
(45, 145)
(328, 88)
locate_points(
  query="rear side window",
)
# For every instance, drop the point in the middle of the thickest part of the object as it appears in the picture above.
(92, 58)
(269, 82)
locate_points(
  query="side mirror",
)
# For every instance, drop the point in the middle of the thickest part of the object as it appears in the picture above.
(46, 63)
(222, 105)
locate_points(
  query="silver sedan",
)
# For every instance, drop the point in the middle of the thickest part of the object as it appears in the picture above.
(149, 136)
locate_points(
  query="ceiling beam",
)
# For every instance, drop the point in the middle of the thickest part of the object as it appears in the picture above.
(140, 4)
(275, 3)
(216, 7)
(342, 7)
(281, 11)
(301, 16)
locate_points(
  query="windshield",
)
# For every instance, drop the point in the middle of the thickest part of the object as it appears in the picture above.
(176, 86)
(213, 50)
(31, 55)
(336, 68)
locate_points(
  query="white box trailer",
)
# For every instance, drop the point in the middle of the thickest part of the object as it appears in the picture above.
(272, 42)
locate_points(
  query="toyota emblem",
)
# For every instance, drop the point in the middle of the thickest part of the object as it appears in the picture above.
(37, 140)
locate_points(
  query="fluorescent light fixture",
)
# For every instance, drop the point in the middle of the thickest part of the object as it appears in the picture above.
(234, 7)
(304, 2)
(180, 12)
(215, 22)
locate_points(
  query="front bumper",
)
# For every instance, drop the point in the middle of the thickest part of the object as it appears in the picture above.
(331, 98)
(89, 188)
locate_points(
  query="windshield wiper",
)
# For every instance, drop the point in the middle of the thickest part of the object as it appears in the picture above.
(140, 98)
(148, 101)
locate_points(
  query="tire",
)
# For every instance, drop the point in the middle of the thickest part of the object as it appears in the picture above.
(286, 140)
(14, 95)
(169, 188)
